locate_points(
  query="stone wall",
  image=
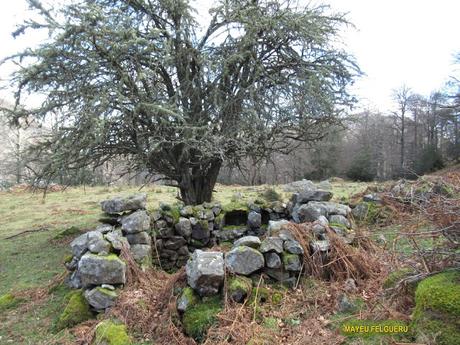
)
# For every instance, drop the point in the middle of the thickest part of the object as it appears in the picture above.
(176, 236)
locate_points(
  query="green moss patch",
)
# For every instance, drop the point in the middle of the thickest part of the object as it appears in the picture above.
(72, 231)
(439, 293)
(437, 308)
(8, 301)
(111, 333)
(76, 311)
(197, 319)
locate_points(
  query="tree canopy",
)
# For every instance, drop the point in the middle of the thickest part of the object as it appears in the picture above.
(140, 79)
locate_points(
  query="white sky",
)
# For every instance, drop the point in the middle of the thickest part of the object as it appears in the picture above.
(395, 42)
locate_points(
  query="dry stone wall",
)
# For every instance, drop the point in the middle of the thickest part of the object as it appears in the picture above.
(177, 236)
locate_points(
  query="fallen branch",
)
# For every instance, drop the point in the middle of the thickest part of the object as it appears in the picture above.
(26, 232)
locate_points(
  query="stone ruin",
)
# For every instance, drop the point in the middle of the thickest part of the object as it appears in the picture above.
(177, 236)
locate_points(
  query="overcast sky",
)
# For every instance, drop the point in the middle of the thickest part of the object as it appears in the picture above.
(395, 42)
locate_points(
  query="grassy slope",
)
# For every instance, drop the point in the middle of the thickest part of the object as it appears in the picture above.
(33, 259)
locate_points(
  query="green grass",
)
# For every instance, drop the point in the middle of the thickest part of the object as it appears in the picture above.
(34, 258)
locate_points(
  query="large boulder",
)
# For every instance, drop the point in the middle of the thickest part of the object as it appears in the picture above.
(244, 260)
(205, 272)
(308, 212)
(100, 298)
(101, 269)
(313, 195)
(135, 222)
(130, 203)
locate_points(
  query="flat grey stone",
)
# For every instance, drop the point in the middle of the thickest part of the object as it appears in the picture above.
(244, 260)
(205, 272)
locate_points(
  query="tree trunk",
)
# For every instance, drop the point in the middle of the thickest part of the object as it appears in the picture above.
(196, 186)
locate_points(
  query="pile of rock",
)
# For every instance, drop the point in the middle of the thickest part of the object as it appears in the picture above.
(279, 257)
(315, 206)
(95, 265)
(181, 230)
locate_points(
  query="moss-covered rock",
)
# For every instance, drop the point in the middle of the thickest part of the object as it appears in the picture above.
(8, 301)
(111, 333)
(437, 308)
(187, 299)
(76, 311)
(239, 288)
(395, 277)
(197, 319)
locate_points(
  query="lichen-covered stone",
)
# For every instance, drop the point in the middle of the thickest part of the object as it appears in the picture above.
(119, 204)
(98, 269)
(76, 311)
(97, 244)
(139, 238)
(313, 195)
(101, 298)
(111, 333)
(337, 219)
(230, 233)
(244, 260)
(79, 245)
(308, 212)
(135, 222)
(270, 244)
(254, 220)
(332, 207)
(276, 225)
(293, 247)
(184, 227)
(142, 254)
(249, 241)
(117, 240)
(205, 272)
(272, 260)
